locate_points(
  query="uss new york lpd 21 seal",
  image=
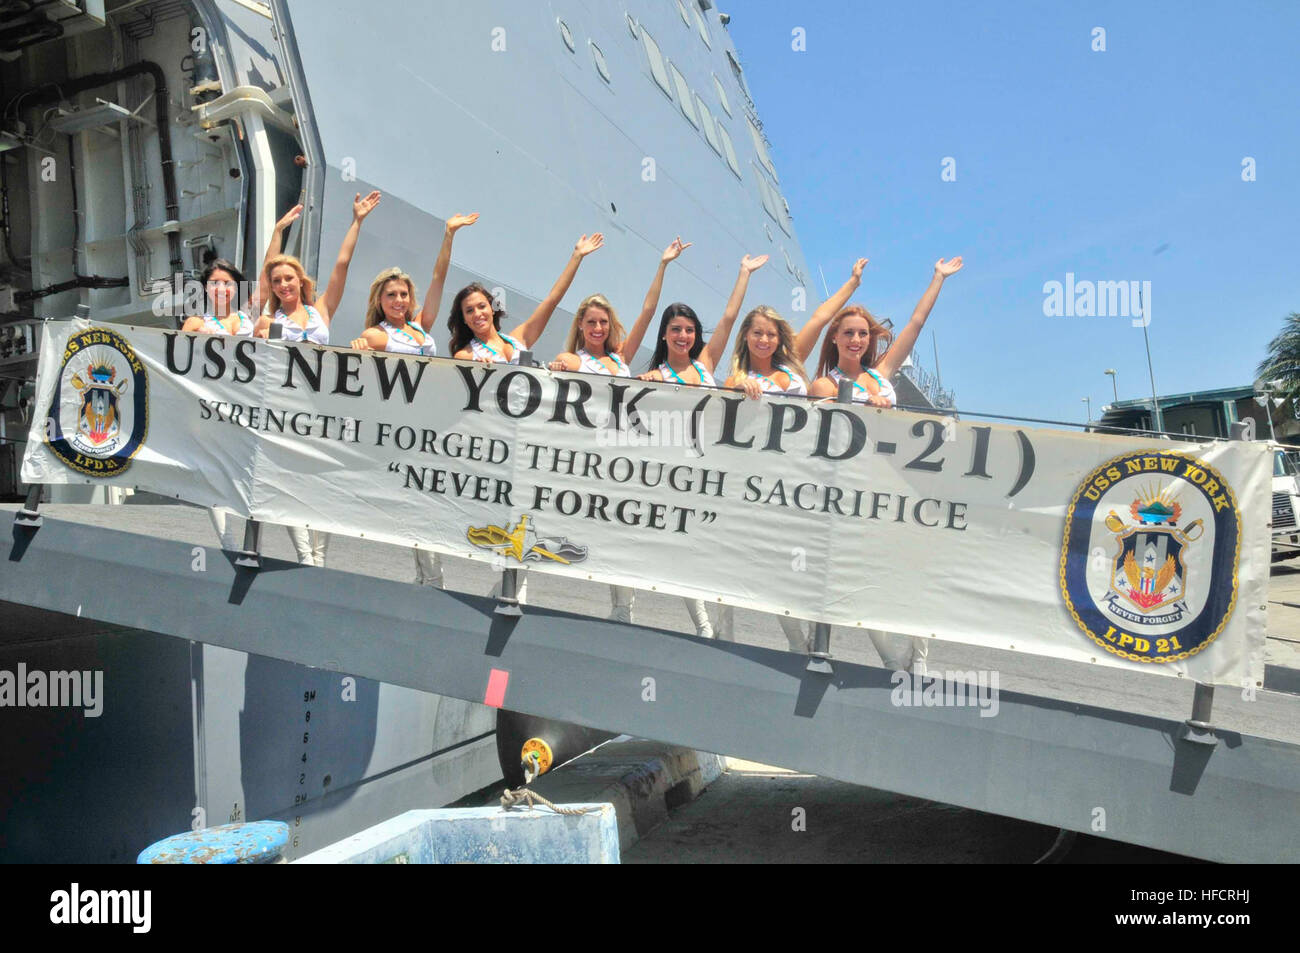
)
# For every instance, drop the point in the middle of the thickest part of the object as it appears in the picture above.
(99, 414)
(1149, 555)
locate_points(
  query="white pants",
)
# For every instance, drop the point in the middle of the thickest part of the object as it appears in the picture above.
(224, 523)
(699, 614)
(309, 544)
(724, 623)
(428, 568)
(900, 653)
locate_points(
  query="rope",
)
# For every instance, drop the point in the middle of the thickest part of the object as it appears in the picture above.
(523, 795)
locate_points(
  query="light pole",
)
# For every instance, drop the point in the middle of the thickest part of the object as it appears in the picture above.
(1113, 378)
(1088, 401)
(1156, 418)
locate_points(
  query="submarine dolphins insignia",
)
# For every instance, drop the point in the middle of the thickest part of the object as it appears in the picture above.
(524, 545)
(1150, 555)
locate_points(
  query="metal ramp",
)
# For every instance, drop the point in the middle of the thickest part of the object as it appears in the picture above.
(1128, 777)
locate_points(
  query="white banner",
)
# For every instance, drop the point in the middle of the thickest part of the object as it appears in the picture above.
(1126, 552)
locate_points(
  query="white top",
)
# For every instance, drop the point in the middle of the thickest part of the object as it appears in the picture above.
(668, 374)
(797, 386)
(478, 349)
(316, 331)
(212, 325)
(408, 340)
(594, 365)
(860, 393)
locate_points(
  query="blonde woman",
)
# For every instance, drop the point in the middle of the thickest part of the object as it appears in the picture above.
(765, 362)
(294, 308)
(597, 345)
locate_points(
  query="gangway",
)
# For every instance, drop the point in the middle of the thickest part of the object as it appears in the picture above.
(1126, 776)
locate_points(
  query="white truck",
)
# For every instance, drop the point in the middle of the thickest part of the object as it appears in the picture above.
(1286, 503)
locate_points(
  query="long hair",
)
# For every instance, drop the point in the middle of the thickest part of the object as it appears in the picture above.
(879, 334)
(676, 310)
(783, 356)
(375, 310)
(461, 335)
(576, 339)
(221, 264)
(306, 287)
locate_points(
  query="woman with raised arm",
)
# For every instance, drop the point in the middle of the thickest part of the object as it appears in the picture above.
(392, 325)
(806, 340)
(766, 362)
(849, 353)
(597, 345)
(852, 341)
(681, 357)
(475, 322)
(291, 294)
(291, 297)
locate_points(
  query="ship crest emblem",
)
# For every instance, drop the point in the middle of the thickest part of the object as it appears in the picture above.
(1149, 572)
(1149, 555)
(99, 415)
(523, 544)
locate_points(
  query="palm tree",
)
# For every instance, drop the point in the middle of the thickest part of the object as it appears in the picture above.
(1282, 366)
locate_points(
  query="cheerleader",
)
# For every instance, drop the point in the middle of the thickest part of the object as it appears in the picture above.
(849, 352)
(221, 284)
(475, 322)
(853, 340)
(294, 308)
(597, 345)
(681, 357)
(766, 361)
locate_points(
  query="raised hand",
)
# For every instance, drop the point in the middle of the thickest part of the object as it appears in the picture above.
(857, 268)
(675, 249)
(289, 218)
(361, 207)
(949, 267)
(586, 246)
(749, 264)
(458, 221)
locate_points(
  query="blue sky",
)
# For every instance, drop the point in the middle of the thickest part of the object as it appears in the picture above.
(1066, 160)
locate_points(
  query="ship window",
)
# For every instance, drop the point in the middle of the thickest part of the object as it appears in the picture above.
(631, 26)
(683, 95)
(768, 228)
(765, 193)
(656, 59)
(704, 30)
(788, 263)
(601, 66)
(722, 94)
(710, 125)
(760, 147)
(565, 35)
(681, 8)
(729, 149)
